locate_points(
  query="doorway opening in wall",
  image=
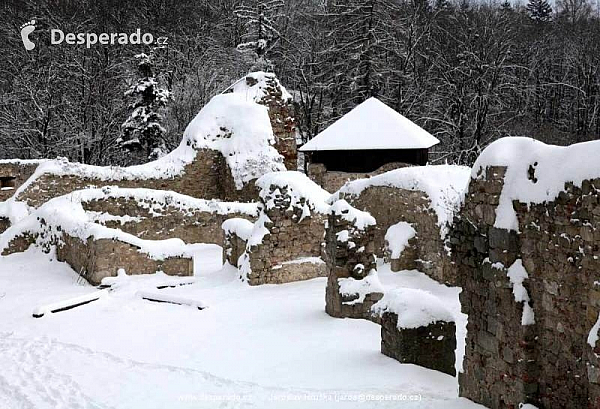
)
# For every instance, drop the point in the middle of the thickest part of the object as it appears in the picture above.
(7, 182)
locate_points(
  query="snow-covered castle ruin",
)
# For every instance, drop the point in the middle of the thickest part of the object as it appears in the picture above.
(518, 233)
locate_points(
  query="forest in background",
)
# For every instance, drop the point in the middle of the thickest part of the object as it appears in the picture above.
(468, 72)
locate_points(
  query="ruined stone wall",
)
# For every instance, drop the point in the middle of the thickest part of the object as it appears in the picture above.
(281, 113)
(4, 224)
(291, 238)
(207, 177)
(548, 363)
(390, 205)
(191, 225)
(20, 171)
(349, 256)
(233, 247)
(97, 259)
(332, 181)
(430, 346)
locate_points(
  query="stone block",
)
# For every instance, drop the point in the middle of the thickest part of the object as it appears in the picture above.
(430, 346)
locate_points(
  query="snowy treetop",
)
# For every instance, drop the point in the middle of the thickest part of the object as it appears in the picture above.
(535, 172)
(415, 308)
(371, 125)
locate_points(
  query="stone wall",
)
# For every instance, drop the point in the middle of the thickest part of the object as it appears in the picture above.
(430, 346)
(97, 259)
(291, 249)
(547, 362)
(4, 224)
(17, 173)
(207, 177)
(233, 247)
(350, 260)
(281, 113)
(190, 225)
(332, 181)
(390, 205)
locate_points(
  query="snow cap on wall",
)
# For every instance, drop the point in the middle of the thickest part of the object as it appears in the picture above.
(255, 85)
(241, 131)
(535, 172)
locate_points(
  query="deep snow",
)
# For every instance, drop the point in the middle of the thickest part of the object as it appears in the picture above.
(271, 346)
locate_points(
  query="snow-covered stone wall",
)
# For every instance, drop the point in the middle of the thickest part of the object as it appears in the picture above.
(13, 173)
(265, 89)
(416, 328)
(526, 244)
(157, 215)
(352, 282)
(285, 242)
(425, 197)
(334, 180)
(224, 149)
(99, 231)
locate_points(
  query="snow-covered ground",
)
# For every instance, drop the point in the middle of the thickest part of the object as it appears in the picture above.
(270, 346)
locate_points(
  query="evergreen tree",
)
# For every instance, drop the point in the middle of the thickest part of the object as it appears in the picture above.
(142, 133)
(539, 10)
(261, 33)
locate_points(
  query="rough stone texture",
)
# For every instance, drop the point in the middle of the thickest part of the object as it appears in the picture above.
(97, 259)
(291, 237)
(281, 113)
(343, 260)
(408, 258)
(14, 174)
(19, 244)
(191, 226)
(4, 224)
(548, 364)
(233, 247)
(431, 346)
(207, 177)
(390, 205)
(332, 181)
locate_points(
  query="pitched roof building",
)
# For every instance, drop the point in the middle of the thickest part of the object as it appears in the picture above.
(368, 137)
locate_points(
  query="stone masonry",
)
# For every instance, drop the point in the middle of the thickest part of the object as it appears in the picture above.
(291, 248)
(94, 259)
(152, 223)
(430, 346)
(349, 254)
(548, 362)
(4, 224)
(97, 259)
(390, 205)
(12, 175)
(207, 177)
(281, 113)
(334, 180)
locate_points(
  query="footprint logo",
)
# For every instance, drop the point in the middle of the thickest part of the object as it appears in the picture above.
(27, 29)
